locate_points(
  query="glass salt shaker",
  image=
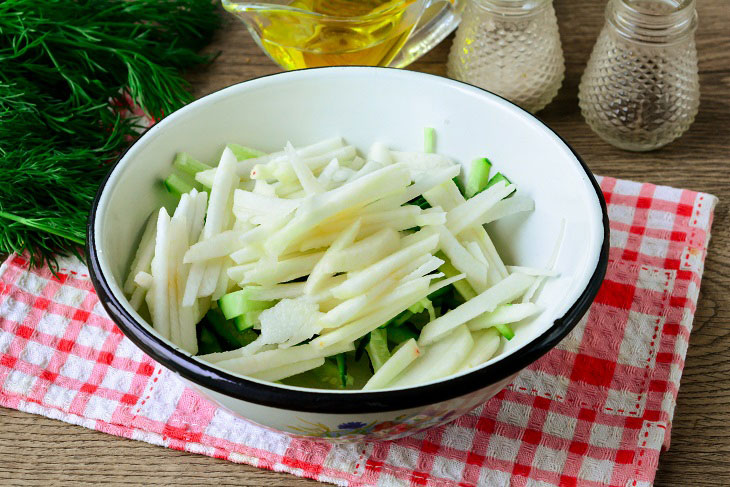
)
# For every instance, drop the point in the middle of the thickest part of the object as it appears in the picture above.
(640, 89)
(511, 48)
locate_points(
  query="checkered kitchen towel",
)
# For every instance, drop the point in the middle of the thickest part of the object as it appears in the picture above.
(595, 411)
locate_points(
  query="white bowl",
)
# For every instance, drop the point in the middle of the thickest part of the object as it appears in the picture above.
(365, 105)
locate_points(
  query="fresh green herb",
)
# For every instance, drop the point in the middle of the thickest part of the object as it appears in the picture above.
(70, 68)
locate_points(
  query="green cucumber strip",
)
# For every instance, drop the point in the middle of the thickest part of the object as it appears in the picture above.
(401, 334)
(207, 342)
(429, 140)
(423, 305)
(478, 177)
(242, 152)
(342, 368)
(246, 320)
(377, 348)
(506, 331)
(177, 185)
(398, 320)
(239, 302)
(360, 346)
(421, 202)
(327, 376)
(438, 294)
(227, 330)
(185, 163)
(462, 287)
(458, 184)
(497, 178)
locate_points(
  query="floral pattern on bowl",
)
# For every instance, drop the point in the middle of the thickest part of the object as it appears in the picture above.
(376, 430)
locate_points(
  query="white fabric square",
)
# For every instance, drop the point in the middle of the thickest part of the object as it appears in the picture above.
(503, 448)
(538, 483)
(636, 346)
(225, 426)
(623, 403)
(19, 382)
(13, 310)
(5, 340)
(687, 318)
(37, 354)
(446, 468)
(621, 214)
(32, 283)
(548, 459)
(241, 458)
(53, 324)
(459, 438)
(340, 458)
(118, 380)
(572, 340)
(92, 336)
(629, 188)
(661, 220)
(127, 349)
(164, 395)
(692, 260)
(595, 470)
(675, 373)
(489, 477)
(514, 413)
(680, 346)
(77, 368)
(668, 403)
(655, 279)
(693, 292)
(100, 408)
(702, 209)
(654, 247)
(59, 397)
(667, 193)
(70, 296)
(547, 385)
(199, 449)
(402, 456)
(389, 480)
(606, 436)
(559, 425)
(99, 310)
(619, 238)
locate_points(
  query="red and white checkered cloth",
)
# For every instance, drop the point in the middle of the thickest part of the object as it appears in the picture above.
(595, 411)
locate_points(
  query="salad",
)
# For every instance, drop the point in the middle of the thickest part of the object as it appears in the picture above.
(317, 267)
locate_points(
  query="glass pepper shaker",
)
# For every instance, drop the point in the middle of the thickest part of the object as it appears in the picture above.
(640, 89)
(511, 48)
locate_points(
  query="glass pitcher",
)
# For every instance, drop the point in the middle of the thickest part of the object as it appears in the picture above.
(309, 33)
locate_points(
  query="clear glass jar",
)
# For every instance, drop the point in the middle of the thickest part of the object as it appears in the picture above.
(640, 89)
(511, 48)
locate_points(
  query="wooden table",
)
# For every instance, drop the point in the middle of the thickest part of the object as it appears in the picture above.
(39, 451)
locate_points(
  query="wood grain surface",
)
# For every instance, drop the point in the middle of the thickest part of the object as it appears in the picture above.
(39, 451)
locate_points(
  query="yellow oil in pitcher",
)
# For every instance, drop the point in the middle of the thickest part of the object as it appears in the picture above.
(349, 32)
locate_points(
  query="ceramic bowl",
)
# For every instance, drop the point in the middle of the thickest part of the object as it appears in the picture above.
(364, 105)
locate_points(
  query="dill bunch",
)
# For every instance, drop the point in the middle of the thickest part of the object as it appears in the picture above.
(67, 70)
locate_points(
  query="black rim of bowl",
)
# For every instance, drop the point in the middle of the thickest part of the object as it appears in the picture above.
(336, 402)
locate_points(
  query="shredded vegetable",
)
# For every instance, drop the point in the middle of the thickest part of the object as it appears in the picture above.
(318, 266)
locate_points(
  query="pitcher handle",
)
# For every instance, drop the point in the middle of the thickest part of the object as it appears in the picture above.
(428, 34)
